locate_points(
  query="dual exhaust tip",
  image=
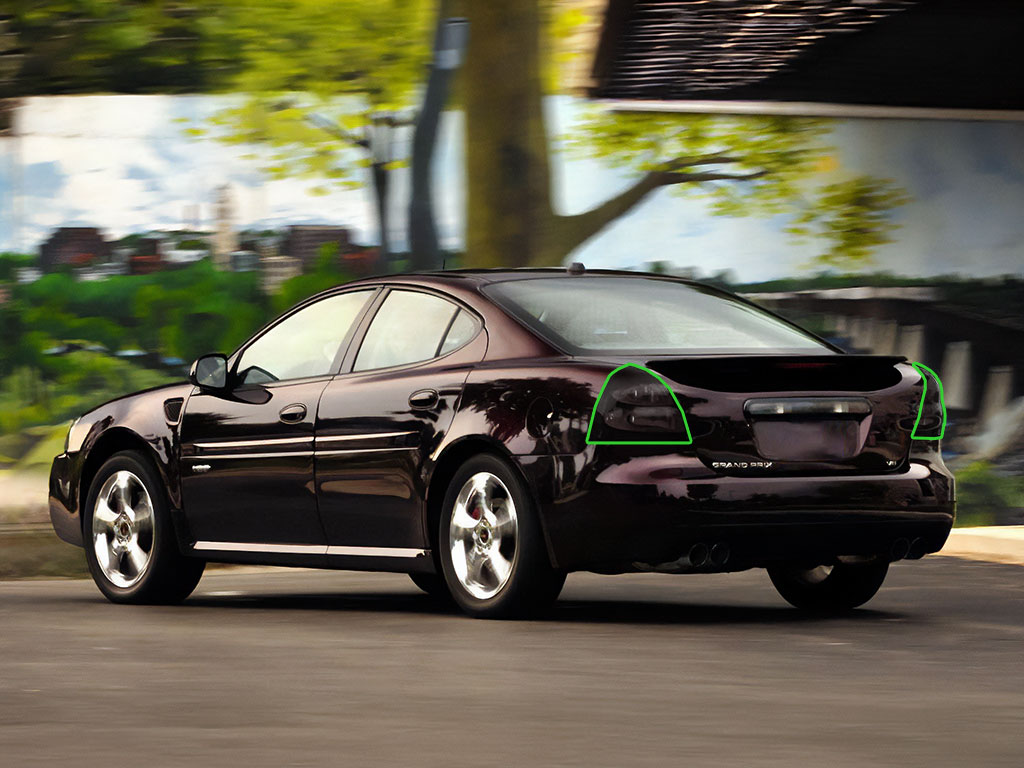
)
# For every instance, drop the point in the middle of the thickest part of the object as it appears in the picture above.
(701, 555)
(907, 549)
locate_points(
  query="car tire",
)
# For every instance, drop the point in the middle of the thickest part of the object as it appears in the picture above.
(130, 544)
(829, 589)
(492, 548)
(431, 583)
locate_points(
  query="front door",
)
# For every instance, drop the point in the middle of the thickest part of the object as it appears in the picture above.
(379, 422)
(247, 450)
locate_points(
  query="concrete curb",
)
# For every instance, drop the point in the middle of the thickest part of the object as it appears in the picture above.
(993, 544)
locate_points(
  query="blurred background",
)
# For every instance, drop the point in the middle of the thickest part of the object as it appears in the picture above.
(173, 174)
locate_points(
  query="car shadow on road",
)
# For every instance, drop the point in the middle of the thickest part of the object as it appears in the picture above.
(569, 611)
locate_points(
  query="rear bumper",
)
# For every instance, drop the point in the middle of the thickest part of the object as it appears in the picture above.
(652, 510)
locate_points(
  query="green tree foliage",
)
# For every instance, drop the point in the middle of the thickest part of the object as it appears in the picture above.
(11, 262)
(329, 88)
(852, 218)
(180, 313)
(742, 165)
(325, 274)
(75, 383)
(136, 46)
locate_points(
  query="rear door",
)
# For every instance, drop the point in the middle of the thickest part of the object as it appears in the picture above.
(383, 416)
(247, 451)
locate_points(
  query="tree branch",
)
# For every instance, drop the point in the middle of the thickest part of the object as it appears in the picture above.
(569, 232)
(337, 131)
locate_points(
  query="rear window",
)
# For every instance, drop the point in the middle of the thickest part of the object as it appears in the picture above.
(645, 315)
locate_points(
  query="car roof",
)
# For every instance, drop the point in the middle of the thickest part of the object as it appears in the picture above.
(487, 276)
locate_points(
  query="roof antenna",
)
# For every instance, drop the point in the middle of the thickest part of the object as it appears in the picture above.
(443, 262)
(576, 268)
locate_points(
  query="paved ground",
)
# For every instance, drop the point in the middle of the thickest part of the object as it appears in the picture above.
(328, 669)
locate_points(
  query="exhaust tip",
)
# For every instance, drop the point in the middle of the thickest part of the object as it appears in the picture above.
(916, 550)
(720, 554)
(899, 549)
(698, 555)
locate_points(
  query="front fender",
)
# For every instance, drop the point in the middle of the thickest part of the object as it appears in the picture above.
(141, 422)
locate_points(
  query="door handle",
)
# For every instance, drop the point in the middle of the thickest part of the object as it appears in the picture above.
(424, 398)
(292, 414)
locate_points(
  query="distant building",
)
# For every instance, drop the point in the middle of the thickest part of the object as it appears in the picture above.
(277, 269)
(101, 271)
(27, 274)
(178, 256)
(144, 264)
(77, 246)
(304, 241)
(225, 239)
(245, 261)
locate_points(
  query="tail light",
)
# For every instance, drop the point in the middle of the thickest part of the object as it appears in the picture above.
(637, 407)
(930, 421)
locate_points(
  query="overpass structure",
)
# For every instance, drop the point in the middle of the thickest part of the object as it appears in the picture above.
(980, 360)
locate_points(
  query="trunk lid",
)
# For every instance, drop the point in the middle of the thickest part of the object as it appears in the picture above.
(799, 415)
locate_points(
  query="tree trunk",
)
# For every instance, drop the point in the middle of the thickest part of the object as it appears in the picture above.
(379, 172)
(507, 173)
(510, 220)
(425, 252)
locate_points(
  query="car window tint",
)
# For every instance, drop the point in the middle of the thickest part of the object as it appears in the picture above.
(305, 343)
(461, 331)
(407, 328)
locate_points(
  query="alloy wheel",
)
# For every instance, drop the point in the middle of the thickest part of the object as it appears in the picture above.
(483, 535)
(123, 529)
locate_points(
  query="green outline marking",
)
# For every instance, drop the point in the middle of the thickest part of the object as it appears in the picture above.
(593, 414)
(921, 368)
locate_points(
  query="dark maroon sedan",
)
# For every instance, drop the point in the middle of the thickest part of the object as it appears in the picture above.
(489, 431)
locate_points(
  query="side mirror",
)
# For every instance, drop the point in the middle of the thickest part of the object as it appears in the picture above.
(210, 372)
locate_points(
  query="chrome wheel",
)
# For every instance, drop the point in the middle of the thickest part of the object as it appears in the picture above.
(123, 530)
(483, 535)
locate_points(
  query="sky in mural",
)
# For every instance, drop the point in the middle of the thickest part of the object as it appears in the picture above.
(125, 164)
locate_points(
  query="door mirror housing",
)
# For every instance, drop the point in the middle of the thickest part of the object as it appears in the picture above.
(210, 372)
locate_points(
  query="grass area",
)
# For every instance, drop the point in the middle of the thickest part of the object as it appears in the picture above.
(986, 497)
(39, 554)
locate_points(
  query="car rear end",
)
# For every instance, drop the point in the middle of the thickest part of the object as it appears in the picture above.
(730, 457)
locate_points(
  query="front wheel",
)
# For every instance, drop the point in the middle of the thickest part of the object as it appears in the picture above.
(492, 548)
(129, 539)
(829, 588)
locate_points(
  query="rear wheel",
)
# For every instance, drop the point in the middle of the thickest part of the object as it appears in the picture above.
(129, 539)
(829, 588)
(492, 548)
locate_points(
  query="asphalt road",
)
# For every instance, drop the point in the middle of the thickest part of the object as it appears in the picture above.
(285, 668)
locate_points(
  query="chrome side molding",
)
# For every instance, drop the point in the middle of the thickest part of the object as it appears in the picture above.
(308, 549)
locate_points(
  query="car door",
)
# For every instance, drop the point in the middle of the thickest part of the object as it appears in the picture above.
(247, 450)
(382, 417)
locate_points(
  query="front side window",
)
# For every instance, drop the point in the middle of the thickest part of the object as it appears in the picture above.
(408, 328)
(305, 343)
(646, 315)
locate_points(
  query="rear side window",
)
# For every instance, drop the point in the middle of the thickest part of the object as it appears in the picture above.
(463, 329)
(410, 327)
